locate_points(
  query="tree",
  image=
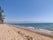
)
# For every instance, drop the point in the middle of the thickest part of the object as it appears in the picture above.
(1, 16)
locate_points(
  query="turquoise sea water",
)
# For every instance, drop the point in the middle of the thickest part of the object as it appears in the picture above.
(48, 26)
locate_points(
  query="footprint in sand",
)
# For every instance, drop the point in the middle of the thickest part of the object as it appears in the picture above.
(27, 37)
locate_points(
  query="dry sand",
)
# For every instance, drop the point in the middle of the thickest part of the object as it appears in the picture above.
(9, 32)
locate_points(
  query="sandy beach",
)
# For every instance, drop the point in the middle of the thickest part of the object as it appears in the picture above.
(10, 32)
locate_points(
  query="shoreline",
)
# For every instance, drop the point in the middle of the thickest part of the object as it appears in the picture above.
(12, 32)
(39, 31)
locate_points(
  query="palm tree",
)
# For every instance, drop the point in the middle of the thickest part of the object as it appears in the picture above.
(1, 16)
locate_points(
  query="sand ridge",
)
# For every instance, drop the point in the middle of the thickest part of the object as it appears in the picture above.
(9, 32)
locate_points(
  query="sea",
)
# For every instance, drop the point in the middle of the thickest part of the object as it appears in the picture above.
(40, 27)
(48, 26)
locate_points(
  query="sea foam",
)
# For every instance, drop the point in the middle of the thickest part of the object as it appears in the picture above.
(44, 31)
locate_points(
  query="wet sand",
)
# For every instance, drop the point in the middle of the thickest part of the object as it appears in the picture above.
(10, 32)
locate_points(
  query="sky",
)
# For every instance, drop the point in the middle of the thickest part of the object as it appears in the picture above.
(36, 11)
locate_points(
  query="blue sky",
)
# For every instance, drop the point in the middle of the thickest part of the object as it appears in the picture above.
(27, 10)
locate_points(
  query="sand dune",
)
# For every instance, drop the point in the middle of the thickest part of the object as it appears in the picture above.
(8, 32)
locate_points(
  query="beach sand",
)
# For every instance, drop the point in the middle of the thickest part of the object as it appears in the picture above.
(10, 32)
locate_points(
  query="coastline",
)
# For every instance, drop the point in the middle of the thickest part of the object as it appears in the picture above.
(13, 32)
(44, 32)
